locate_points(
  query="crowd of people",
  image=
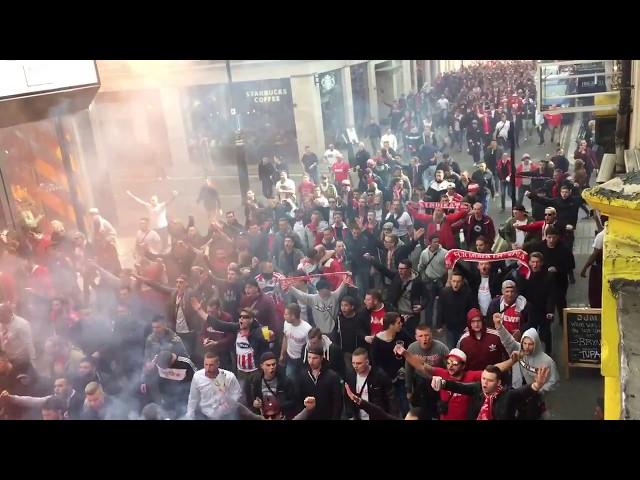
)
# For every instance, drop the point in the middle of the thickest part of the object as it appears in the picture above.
(325, 304)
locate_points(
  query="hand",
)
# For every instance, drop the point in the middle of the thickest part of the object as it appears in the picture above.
(4, 394)
(399, 350)
(527, 194)
(352, 396)
(409, 396)
(367, 256)
(436, 383)
(517, 335)
(516, 356)
(196, 304)
(95, 354)
(209, 343)
(583, 273)
(310, 403)
(549, 316)
(542, 375)
(497, 320)
(439, 330)
(569, 227)
(368, 339)
(418, 233)
(257, 403)
(143, 388)
(553, 269)
(417, 308)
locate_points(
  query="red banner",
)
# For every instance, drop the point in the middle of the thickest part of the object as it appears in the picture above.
(442, 205)
(522, 257)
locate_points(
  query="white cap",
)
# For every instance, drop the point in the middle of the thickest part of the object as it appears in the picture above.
(458, 354)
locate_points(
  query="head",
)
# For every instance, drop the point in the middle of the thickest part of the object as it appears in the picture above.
(528, 345)
(94, 396)
(477, 210)
(550, 215)
(553, 237)
(347, 306)
(211, 363)
(283, 176)
(324, 289)
(340, 248)
(62, 387)
(405, 269)
(457, 280)
(165, 359)
(565, 192)
(245, 319)
(327, 235)
(360, 361)
(158, 326)
(181, 283)
(268, 365)
(86, 367)
(373, 299)
(314, 360)
(456, 361)
(251, 287)
(292, 313)
(526, 159)
(474, 320)
(491, 379)
(482, 246)
(392, 322)
(424, 336)
(536, 261)
(53, 408)
(484, 268)
(434, 242)
(390, 241)
(439, 176)
(519, 213)
(143, 224)
(509, 291)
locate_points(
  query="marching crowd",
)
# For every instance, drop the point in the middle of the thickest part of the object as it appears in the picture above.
(325, 303)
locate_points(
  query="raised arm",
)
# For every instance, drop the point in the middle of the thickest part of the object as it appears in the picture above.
(510, 344)
(138, 199)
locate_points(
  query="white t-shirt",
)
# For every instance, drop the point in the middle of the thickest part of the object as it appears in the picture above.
(520, 234)
(296, 338)
(404, 222)
(443, 103)
(484, 295)
(360, 383)
(598, 242)
(330, 155)
(158, 216)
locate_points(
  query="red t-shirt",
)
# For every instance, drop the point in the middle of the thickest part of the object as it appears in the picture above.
(376, 320)
(306, 188)
(511, 319)
(341, 171)
(458, 404)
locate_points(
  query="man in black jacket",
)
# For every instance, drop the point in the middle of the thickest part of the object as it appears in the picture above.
(370, 383)
(559, 261)
(540, 293)
(352, 325)
(357, 245)
(322, 383)
(406, 293)
(271, 381)
(310, 162)
(490, 401)
(453, 304)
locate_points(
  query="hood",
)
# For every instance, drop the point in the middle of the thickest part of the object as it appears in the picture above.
(326, 343)
(532, 333)
(526, 368)
(439, 186)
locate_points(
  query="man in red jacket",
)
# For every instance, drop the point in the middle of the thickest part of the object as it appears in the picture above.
(482, 345)
(439, 223)
(554, 122)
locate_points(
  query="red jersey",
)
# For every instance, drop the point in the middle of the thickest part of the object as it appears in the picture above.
(333, 265)
(376, 320)
(341, 171)
(457, 404)
(306, 188)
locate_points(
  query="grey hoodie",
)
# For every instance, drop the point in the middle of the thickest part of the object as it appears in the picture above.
(324, 311)
(526, 367)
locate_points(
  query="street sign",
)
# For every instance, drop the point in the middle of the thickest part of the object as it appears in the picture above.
(582, 333)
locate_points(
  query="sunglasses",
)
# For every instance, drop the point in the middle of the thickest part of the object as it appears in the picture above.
(453, 364)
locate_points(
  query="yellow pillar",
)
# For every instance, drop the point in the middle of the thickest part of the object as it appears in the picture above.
(621, 261)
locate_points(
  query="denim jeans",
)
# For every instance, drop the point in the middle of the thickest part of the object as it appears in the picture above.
(400, 391)
(293, 368)
(505, 188)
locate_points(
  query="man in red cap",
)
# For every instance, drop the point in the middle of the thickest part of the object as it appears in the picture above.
(451, 406)
(482, 345)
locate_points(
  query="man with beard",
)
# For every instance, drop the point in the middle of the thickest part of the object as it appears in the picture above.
(63, 391)
(289, 257)
(310, 162)
(231, 290)
(352, 325)
(265, 312)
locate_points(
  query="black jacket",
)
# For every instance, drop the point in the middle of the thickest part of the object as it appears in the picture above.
(400, 253)
(497, 275)
(560, 257)
(327, 390)
(332, 357)
(453, 307)
(567, 209)
(380, 391)
(504, 405)
(350, 332)
(418, 294)
(538, 290)
(285, 392)
(256, 339)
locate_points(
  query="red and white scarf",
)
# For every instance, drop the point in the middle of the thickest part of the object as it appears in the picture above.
(486, 410)
(520, 256)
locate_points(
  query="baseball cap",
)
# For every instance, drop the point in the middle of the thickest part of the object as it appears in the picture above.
(266, 356)
(520, 208)
(473, 187)
(387, 226)
(316, 351)
(526, 155)
(508, 283)
(458, 355)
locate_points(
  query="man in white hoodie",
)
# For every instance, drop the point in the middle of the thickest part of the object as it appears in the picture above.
(532, 358)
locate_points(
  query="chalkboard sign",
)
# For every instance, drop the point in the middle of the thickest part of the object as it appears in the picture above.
(582, 334)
